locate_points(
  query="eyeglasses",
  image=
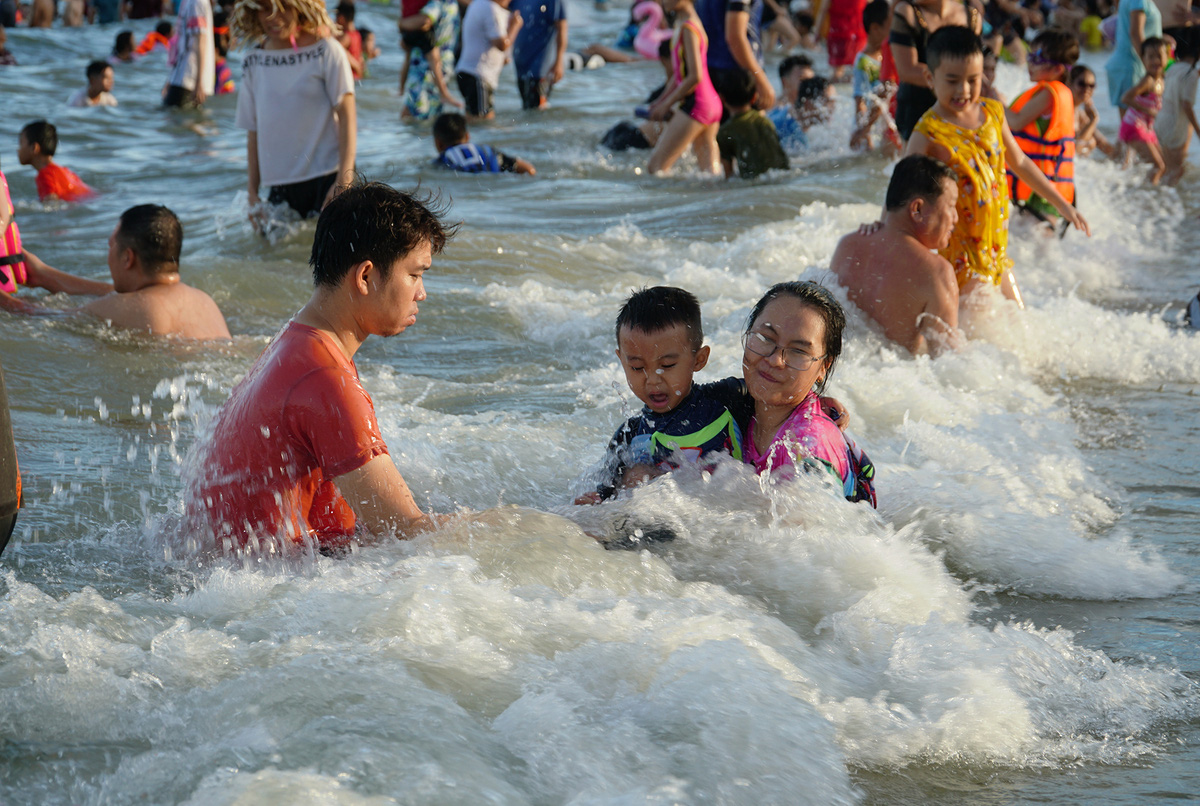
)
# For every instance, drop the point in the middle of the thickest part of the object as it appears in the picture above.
(1084, 85)
(762, 345)
(1039, 56)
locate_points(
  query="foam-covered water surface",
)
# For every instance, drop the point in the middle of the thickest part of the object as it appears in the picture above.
(1016, 623)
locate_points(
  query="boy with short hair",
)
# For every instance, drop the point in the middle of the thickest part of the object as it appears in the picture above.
(815, 100)
(660, 343)
(1042, 120)
(871, 92)
(748, 137)
(98, 91)
(792, 71)
(970, 135)
(36, 145)
(458, 153)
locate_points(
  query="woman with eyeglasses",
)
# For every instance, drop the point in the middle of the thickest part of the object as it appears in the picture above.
(792, 342)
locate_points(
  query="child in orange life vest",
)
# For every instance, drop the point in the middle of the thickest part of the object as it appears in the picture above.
(970, 135)
(36, 145)
(1043, 120)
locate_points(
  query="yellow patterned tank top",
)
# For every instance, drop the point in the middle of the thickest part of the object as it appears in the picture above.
(979, 244)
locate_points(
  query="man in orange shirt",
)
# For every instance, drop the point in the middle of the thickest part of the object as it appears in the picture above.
(296, 457)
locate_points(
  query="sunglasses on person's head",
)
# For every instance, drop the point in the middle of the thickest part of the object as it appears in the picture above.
(1040, 56)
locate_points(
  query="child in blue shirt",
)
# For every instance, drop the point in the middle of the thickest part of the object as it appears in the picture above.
(458, 153)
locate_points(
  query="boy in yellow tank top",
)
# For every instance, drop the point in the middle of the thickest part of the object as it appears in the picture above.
(971, 136)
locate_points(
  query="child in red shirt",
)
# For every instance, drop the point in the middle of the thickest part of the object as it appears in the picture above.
(36, 145)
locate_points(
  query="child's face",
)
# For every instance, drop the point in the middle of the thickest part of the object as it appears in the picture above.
(814, 111)
(1155, 59)
(791, 81)
(989, 68)
(24, 150)
(368, 43)
(1083, 87)
(1041, 67)
(104, 81)
(878, 32)
(659, 366)
(957, 83)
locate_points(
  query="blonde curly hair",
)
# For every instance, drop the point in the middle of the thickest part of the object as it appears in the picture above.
(311, 16)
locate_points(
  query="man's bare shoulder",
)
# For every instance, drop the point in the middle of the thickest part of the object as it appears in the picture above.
(163, 310)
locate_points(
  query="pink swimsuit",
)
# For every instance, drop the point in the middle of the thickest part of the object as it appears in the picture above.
(1136, 125)
(703, 105)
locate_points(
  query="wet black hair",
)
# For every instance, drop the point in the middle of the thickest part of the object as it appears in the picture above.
(792, 62)
(450, 129)
(875, 13)
(1079, 71)
(96, 68)
(812, 89)
(739, 90)
(43, 135)
(374, 222)
(819, 298)
(952, 42)
(917, 177)
(1152, 42)
(155, 235)
(165, 28)
(123, 42)
(1058, 46)
(346, 11)
(653, 309)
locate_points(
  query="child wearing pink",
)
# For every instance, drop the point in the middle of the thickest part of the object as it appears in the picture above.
(703, 105)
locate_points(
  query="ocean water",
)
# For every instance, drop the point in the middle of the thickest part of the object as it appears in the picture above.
(1017, 623)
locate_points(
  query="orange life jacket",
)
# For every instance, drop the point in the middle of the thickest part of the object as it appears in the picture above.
(1052, 151)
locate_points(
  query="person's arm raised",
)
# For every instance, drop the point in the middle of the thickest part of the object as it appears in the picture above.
(382, 501)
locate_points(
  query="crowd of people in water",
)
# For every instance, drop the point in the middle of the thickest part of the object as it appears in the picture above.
(296, 453)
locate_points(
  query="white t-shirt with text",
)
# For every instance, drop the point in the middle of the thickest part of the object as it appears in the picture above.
(288, 97)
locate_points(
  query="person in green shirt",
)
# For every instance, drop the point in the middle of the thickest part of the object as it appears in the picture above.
(748, 139)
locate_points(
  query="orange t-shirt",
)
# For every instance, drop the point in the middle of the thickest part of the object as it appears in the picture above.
(55, 180)
(299, 419)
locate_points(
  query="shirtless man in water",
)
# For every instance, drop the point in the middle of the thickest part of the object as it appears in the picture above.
(146, 292)
(894, 274)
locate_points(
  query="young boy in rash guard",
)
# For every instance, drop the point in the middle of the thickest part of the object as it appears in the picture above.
(660, 342)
